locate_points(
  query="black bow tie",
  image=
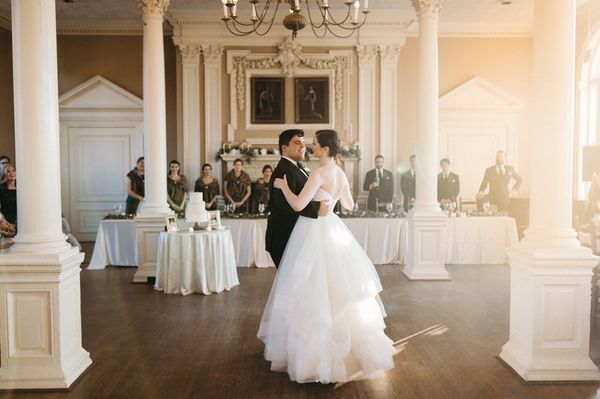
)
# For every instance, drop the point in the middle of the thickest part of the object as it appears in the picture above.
(300, 165)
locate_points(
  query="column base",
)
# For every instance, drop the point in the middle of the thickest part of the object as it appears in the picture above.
(149, 210)
(550, 369)
(550, 314)
(426, 246)
(148, 230)
(33, 243)
(40, 311)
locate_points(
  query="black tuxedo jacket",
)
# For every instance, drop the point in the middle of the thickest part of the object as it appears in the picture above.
(384, 193)
(282, 217)
(498, 185)
(407, 186)
(449, 187)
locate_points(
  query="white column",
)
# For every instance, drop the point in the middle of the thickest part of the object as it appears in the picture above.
(190, 82)
(388, 106)
(550, 271)
(150, 218)
(155, 114)
(426, 243)
(213, 125)
(367, 56)
(40, 311)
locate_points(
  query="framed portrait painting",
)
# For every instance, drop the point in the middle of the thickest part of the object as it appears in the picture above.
(311, 99)
(267, 96)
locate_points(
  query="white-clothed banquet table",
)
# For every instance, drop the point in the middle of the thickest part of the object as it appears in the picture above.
(382, 239)
(202, 262)
(479, 239)
(470, 240)
(116, 244)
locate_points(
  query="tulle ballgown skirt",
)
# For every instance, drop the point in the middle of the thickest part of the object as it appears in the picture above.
(324, 319)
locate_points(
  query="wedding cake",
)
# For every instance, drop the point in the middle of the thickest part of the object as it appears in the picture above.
(196, 209)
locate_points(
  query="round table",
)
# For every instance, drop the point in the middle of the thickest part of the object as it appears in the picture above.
(201, 261)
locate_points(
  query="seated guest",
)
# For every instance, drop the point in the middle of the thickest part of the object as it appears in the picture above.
(209, 186)
(498, 178)
(407, 184)
(448, 183)
(8, 195)
(379, 183)
(135, 187)
(237, 186)
(4, 161)
(261, 188)
(177, 187)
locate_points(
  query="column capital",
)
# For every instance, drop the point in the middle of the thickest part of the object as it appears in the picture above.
(366, 53)
(427, 8)
(212, 52)
(189, 53)
(389, 54)
(153, 7)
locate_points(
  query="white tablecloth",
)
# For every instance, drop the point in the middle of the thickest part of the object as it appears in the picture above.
(116, 244)
(479, 240)
(202, 262)
(380, 238)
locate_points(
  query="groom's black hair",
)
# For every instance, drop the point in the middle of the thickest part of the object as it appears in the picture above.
(286, 136)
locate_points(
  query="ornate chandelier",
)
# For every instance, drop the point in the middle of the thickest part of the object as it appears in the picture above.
(318, 11)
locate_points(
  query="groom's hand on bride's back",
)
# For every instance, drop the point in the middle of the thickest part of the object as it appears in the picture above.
(325, 207)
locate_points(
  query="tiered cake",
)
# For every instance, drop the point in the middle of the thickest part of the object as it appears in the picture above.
(196, 209)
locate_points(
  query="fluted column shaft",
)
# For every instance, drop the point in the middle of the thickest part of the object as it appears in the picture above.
(427, 106)
(552, 134)
(36, 124)
(155, 125)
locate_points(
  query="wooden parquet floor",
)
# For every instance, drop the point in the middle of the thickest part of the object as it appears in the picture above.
(146, 344)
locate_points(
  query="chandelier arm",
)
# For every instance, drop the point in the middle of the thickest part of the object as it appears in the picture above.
(342, 21)
(312, 23)
(236, 31)
(261, 19)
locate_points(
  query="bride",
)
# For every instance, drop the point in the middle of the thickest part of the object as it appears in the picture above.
(324, 320)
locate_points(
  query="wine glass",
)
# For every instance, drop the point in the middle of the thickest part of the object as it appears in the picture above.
(389, 207)
(261, 208)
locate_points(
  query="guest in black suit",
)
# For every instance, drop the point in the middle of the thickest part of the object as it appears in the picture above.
(282, 217)
(407, 184)
(448, 183)
(379, 183)
(498, 178)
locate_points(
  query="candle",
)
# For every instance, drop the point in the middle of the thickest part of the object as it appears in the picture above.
(356, 5)
(254, 12)
(233, 11)
(366, 4)
(325, 3)
(224, 10)
(296, 4)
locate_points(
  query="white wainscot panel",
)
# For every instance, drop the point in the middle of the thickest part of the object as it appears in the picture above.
(30, 335)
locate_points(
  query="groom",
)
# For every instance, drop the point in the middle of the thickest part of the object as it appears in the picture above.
(282, 217)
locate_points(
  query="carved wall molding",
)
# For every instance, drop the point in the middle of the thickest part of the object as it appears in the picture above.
(289, 59)
(427, 8)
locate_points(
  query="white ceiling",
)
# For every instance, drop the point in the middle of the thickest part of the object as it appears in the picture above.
(454, 12)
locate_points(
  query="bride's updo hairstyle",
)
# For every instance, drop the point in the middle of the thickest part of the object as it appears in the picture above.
(329, 138)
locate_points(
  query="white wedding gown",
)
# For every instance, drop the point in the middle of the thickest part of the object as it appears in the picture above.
(324, 319)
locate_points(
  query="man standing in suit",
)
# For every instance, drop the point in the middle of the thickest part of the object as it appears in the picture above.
(448, 183)
(498, 178)
(407, 184)
(282, 217)
(379, 183)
